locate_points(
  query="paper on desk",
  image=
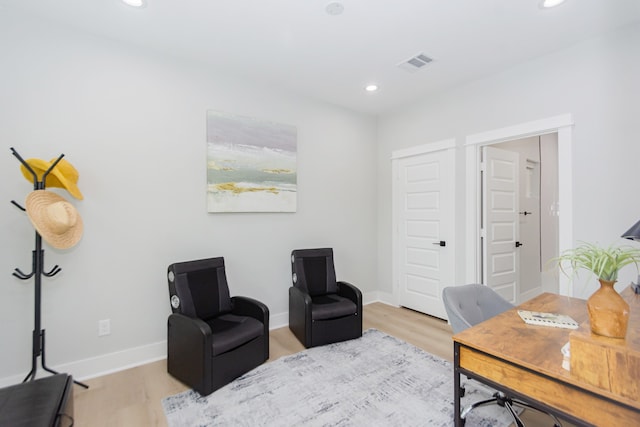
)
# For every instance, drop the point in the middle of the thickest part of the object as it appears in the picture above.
(548, 319)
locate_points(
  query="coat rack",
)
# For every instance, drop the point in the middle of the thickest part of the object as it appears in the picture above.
(37, 272)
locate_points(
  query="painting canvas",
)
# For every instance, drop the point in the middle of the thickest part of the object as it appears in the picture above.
(251, 165)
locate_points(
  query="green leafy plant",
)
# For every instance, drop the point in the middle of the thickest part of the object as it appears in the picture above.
(604, 262)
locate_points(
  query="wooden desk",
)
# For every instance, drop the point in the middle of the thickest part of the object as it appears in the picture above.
(525, 362)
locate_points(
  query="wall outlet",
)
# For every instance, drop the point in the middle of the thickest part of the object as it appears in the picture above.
(104, 327)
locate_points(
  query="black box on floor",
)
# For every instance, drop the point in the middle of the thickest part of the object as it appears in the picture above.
(45, 402)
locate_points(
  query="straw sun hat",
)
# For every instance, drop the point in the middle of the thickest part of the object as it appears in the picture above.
(64, 175)
(55, 219)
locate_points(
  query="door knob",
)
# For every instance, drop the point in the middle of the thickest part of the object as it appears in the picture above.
(518, 244)
(440, 243)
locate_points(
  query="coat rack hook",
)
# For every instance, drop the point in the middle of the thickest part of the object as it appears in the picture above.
(36, 184)
(26, 165)
(20, 275)
(16, 204)
(55, 270)
(44, 177)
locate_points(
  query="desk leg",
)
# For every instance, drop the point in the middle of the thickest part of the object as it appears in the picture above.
(458, 422)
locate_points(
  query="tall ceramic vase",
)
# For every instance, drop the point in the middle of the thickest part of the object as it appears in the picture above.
(608, 311)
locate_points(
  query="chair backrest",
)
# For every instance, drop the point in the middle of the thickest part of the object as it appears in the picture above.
(313, 271)
(199, 288)
(468, 305)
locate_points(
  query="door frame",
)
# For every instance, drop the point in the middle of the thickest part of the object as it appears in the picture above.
(563, 126)
(446, 144)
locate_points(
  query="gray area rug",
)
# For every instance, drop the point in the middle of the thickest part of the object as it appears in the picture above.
(376, 380)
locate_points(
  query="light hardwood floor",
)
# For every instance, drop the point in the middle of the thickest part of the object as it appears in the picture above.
(131, 398)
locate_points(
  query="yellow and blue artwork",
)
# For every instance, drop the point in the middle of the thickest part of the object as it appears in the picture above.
(251, 164)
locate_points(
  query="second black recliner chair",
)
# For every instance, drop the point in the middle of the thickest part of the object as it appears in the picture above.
(322, 310)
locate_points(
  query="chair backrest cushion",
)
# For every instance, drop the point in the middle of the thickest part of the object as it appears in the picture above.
(468, 305)
(201, 287)
(313, 271)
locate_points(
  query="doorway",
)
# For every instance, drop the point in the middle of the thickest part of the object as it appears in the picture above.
(562, 127)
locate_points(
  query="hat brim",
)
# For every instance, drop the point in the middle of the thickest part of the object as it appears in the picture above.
(36, 203)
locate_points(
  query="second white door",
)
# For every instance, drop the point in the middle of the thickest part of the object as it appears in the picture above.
(500, 226)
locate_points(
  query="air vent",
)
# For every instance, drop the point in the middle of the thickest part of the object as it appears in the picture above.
(415, 63)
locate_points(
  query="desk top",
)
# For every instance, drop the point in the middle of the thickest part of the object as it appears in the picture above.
(538, 348)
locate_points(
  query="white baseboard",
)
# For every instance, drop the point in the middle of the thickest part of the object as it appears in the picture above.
(279, 320)
(118, 361)
(379, 296)
(115, 362)
(102, 365)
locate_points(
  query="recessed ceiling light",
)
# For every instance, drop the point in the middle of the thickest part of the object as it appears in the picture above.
(371, 88)
(135, 3)
(546, 4)
(334, 8)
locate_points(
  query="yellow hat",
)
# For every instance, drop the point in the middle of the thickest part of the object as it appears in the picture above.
(55, 219)
(64, 175)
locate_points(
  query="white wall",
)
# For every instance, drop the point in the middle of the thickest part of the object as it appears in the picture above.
(596, 82)
(133, 124)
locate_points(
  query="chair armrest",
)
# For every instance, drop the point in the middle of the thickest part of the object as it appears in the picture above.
(245, 306)
(301, 300)
(300, 315)
(189, 328)
(349, 291)
(189, 350)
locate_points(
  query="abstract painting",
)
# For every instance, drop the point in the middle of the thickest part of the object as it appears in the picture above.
(251, 165)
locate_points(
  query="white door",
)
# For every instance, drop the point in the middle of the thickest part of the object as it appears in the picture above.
(500, 226)
(425, 221)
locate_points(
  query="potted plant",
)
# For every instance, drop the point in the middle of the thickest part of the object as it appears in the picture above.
(608, 311)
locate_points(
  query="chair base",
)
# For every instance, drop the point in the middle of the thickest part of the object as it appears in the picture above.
(336, 330)
(505, 401)
(221, 369)
(322, 332)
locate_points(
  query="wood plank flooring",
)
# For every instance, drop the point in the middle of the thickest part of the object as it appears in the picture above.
(131, 398)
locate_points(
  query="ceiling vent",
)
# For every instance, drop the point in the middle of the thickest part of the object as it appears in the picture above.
(415, 63)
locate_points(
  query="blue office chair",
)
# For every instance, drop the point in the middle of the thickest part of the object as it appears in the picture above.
(466, 306)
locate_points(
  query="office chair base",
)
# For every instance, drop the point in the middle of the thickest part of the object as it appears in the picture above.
(505, 401)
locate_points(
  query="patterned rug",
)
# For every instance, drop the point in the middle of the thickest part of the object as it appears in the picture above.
(376, 380)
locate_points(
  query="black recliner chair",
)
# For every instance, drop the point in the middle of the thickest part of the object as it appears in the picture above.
(322, 310)
(212, 338)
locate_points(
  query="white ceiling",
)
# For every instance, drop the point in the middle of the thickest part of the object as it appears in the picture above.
(296, 45)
